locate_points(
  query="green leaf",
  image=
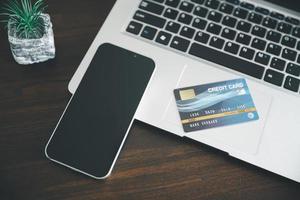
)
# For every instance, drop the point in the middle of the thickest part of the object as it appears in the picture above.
(25, 16)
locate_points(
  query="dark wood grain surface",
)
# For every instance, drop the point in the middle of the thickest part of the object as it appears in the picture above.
(152, 165)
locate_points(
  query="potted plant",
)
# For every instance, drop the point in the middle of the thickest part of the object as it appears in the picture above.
(30, 31)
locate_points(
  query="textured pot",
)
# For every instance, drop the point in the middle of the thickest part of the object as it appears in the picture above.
(29, 51)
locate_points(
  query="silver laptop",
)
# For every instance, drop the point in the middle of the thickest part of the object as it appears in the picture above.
(195, 42)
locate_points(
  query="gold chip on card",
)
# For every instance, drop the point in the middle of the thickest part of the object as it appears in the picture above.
(187, 94)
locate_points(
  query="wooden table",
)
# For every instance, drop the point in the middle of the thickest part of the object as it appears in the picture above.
(153, 164)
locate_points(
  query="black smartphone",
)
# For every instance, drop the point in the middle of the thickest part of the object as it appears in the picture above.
(97, 119)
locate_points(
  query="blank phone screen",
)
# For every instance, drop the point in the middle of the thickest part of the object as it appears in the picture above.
(93, 126)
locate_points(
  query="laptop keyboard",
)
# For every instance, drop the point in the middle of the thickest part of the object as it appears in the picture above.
(238, 35)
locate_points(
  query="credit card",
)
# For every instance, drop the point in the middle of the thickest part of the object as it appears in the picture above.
(215, 105)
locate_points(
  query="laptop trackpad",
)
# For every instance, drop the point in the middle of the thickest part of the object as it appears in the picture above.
(244, 137)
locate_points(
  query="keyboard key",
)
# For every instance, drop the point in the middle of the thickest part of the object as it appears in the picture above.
(277, 63)
(289, 54)
(134, 27)
(229, 21)
(255, 18)
(180, 44)
(258, 44)
(273, 36)
(202, 37)
(284, 27)
(244, 26)
(149, 19)
(198, 1)
(296, 32)
(274, 49)
(274, 77)
(288, 41)
(248, 6)
(185, 18)
(269, 22)
(216, 42)
(293, 69)
(277, 15)
(261, 10)
(148, 32)
(292, 84)
(200, 11)
(163, 38)
(214, 4)
(187, 32)
(151, 7)
(172, 3)
(159, 1)
(173, 27)
(232, 47)
(229, 61)
(171, 13)
(298, 59)
(228, 33)
(292, 20)
(259, 31)
(235, 2)
(214, 28)
(226, 8)
(262, 58)
(241, 13)
(243, 38)
(215, 16)
(247, 53)
(199, 23)
(186, 6)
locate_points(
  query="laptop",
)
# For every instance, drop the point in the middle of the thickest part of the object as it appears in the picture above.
(197, 42)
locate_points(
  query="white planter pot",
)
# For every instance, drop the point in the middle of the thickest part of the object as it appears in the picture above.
(29, 51)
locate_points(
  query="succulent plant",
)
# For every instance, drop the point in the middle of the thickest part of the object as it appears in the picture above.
(25, 17)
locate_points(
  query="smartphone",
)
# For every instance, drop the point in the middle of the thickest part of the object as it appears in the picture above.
(92, 130)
